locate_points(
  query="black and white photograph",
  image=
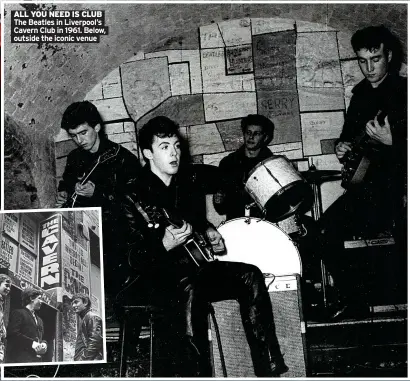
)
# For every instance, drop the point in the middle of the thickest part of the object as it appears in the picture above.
(250, 164)
(51, 290)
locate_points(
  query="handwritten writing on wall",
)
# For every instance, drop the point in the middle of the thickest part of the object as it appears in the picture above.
(274, 61)
(239, 59)
(282, 107)
(229, 105)
(214, 75)
(319, 126)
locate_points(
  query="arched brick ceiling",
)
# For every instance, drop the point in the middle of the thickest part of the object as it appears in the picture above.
(51, 77)
(40, 81)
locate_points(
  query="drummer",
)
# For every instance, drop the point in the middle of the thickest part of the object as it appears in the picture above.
(232, 198)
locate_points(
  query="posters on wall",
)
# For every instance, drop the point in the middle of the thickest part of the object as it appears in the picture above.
(28, 233)
(8, 254)
(11, 225)
(35, 261)
(26, 265)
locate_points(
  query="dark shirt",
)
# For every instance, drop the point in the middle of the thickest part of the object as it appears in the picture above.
(235, 169)
(388, 163)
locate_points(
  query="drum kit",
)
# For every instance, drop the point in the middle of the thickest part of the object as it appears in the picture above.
(282, 194)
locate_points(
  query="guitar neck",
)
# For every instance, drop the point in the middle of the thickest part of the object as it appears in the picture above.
(86, 177)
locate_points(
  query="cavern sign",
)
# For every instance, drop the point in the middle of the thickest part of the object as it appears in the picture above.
(50, 253)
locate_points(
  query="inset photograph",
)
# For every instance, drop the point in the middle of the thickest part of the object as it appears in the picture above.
(51, 287)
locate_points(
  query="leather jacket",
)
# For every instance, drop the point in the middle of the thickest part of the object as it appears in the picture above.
(89, 343)
(110, 178)
(185, 197)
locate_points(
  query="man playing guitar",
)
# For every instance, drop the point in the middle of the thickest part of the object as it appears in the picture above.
(168, 276)
(95, 175)
(373, 149)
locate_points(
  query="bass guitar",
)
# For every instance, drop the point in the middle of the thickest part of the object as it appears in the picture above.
(357, 161)
(72, 201)
(197, 246)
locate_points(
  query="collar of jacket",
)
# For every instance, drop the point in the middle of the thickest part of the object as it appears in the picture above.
(105, 145)
(84, 312)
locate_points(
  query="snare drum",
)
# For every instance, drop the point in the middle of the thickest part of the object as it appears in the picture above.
(277, 187)
(292, 226)
(260, 243)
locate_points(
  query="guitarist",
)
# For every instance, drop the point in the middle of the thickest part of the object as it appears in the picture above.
(167, 276)
(105, 185)
(376, 127)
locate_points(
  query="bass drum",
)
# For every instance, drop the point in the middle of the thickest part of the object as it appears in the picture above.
(260, 243)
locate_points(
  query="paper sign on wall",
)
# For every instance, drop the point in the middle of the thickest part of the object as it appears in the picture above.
(11, 225)
(28, 237)
(26, 265)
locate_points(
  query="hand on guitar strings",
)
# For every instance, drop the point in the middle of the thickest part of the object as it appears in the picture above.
(174, 236)
(61, 199)
(342, 148)
(378, 132)
(86, 190)
(216, 240)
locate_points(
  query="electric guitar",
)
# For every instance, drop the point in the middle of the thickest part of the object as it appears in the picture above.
(197, 246)
(107, 155)
(357, 161)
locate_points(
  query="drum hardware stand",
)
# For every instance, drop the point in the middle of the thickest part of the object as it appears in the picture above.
(248, 212)
(317, 212)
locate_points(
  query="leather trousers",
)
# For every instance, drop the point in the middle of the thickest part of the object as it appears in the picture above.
(245, 283)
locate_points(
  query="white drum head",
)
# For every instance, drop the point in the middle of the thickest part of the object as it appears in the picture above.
(262, 244)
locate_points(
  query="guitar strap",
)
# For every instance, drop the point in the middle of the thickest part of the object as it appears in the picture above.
(145, 215)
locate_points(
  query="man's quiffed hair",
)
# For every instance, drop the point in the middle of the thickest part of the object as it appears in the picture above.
(28, 295)
(84, 297)
(78, 113)
(371, 37)
(160, 126)
(5, 278)
(259, 120)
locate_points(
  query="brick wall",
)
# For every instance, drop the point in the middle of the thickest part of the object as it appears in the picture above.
(40, 81)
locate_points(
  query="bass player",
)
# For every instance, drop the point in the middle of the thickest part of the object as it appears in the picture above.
(373, 149)
(167, 275)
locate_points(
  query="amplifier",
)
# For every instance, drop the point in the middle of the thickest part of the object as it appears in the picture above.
(379, 267)
(290, 329)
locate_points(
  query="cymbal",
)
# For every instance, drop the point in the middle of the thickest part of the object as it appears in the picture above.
(316, 176)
